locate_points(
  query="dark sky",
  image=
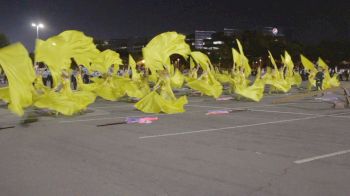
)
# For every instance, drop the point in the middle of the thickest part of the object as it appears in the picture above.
(308, 21)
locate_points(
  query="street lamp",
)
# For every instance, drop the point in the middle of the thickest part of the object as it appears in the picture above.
(37, 26)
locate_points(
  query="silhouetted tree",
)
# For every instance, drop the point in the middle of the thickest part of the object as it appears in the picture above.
(3, 40)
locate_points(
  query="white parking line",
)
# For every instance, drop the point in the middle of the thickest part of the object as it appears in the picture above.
(235, 127)
(243, 107)
(225, 128)
(117, 117)
(321, 157)
(306, 114)
(110, 106)
(281, 112)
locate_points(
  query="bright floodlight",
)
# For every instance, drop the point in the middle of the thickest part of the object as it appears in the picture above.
(37, 26)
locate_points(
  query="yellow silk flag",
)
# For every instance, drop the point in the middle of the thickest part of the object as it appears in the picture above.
(202, 60)
(307, 64)
(17, 65)
(243, 62)
(56, 52)
(236, 58)
(104, 60)
(273, 61)
(283, 60)
(158, 51)
(288, 62)
(132, 64)
(192, 64)
(321, 63)
(177, 79)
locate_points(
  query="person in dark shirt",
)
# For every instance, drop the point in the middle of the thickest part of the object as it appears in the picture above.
(319, 79)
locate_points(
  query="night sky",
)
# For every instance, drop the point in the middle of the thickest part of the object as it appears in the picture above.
(309, 21)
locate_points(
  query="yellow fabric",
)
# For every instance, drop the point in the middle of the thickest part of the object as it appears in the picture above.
(5, 94)
(104, 60)
(91, 87)
(287, 60)
(56, 52)
(310, 68)
(177, 79)
(307, 64)
(192, 64)
(206, 84)
(135, 75)
(165, 101)
(236, 58)
(223, 78)
(244, 62)
(254, 92)
(158, 51)
(65, 101)
(201, 59)
(17, 65)
(321, 63)
(292, 77)
(157, 57)
(273, 61)
(328, 81)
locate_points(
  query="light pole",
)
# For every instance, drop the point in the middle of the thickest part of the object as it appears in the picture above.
(37, 26)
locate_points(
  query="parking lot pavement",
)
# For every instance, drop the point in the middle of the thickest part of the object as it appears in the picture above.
(297, 148)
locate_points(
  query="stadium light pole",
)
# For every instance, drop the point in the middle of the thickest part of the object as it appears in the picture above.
(37, 26)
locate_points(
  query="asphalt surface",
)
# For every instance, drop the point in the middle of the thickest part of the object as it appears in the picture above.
(297, 148)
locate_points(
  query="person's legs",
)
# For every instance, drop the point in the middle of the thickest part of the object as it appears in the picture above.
(45, 81)
(74, 82)
(318, 85)
(49, 78)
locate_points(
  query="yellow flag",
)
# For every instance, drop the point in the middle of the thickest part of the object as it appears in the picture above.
(104, 60)
(283, 60)
(236, 58)
(202, 60)
(240, 47)
(273, 61)
(18, 68)
(247, 69)
(307, 63)
(160, 48)
(241, 60)
(321, 63)
(56, 52)
(132, 63)
(288, 62)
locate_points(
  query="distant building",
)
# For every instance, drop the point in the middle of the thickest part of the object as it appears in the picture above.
(190, 40)
(231, 32)
(200, 36)
(126, 45)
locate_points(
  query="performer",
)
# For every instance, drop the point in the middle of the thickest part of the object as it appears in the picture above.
(162, 98)
(63, 100)
(319, 79)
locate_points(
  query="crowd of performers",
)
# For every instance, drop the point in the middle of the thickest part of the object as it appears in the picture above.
(97, 74)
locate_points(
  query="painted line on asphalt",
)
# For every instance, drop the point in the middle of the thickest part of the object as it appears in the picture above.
(281, 112)
(306, 114)
(244, 107)
(233, 127)
(225, 128)
(117, 117)
(111, 106)
(321, 157)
